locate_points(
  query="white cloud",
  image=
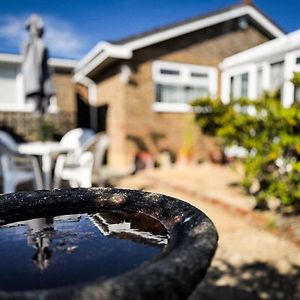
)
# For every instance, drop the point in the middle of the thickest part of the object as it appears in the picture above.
(60, 36)
(12, 29)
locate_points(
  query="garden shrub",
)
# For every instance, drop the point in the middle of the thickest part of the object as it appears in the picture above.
(46, 130)
(271, 135)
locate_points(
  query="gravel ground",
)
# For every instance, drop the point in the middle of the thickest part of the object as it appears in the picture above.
(250, 263)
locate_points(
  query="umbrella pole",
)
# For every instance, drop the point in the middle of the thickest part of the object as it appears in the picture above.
(41, 118)
(41, 129)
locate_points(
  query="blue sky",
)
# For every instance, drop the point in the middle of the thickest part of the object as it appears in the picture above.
(73, 27)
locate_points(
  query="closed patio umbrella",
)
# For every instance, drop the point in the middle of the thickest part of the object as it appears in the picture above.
(38, 86)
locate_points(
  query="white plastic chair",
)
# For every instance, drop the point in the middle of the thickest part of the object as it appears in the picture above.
(8, 141)
(102, 143)
(74, 140)
(78, 168)
(17, 168)
(79, 173)
(77, 137)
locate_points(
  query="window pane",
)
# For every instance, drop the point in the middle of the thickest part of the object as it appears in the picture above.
(179, 94)
(239, 86)
(277, 77)
(169, 72)
(199, 75)
(168, 93)
(235, 85)
(158, 92)
(298, 60)
(259, 83)
(8, 85)
(232, 87)
(297, 94)
(244, 85)
(192, 93)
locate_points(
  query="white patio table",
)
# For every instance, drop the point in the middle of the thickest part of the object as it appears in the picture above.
(47, 151)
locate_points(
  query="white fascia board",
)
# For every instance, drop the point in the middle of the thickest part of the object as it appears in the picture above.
(96, 50)
(62, 63)
(53, 62)
(206, 22)
(107, 51)
(10, 58)
(266, 51)
(93, 64)
(265, 22)
(125, 51)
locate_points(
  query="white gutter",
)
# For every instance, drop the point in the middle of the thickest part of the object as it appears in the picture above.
(282, 44)
(92, 97)
(90, 84)
(99, 54)
(91, 54)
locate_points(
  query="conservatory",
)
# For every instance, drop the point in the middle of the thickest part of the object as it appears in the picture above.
(267, 67)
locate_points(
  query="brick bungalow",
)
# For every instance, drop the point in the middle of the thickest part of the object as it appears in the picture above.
(147, 80)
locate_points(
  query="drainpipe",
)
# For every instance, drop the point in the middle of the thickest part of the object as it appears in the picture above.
(92, 97)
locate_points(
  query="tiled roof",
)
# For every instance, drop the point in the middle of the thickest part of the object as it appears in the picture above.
(187, 21)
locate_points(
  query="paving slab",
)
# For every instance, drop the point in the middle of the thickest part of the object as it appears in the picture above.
(250, 263)
(207, 180)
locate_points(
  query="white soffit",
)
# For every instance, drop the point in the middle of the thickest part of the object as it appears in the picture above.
(267, 50)
(96, 56)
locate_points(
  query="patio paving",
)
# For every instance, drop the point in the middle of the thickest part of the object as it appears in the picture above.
(251, 262)
(209, 181)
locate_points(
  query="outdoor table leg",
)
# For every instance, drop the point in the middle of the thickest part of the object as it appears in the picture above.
(47, 168)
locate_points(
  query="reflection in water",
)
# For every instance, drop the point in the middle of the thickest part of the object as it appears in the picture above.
(134, 227)
(39, 236)
(74, 249)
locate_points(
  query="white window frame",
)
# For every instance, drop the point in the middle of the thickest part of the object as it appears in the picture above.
(238, 85)
(184, 78)
(21, 105)
(290, 66)
(289, 69)
(250, 69)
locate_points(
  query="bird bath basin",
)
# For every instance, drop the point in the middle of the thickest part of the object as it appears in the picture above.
(59, 251)
(101, 244)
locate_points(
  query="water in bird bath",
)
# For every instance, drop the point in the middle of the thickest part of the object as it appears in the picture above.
(61, 250)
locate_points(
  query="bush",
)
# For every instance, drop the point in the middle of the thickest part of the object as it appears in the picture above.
(296, 79)
(271, 135)
(46, 130)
